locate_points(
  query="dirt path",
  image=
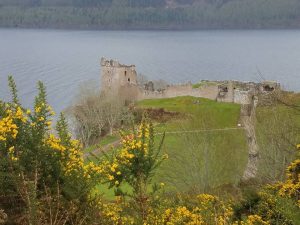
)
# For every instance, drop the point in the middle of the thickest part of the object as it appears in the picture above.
(105, 148)
(117, 143)
(203, 130)
(248, 122)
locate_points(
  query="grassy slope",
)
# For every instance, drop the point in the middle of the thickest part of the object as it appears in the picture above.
(277, 131)
(198, 160)
(210, 159)
(204, 159)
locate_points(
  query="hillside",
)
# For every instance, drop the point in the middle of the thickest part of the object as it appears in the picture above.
(206, 148)
(190, 178)
(150, 14)
(205, 137)
(204, 134)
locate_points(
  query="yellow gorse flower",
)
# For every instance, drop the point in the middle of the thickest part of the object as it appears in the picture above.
(8, 127)
(54, 143)
(291, 187)
(11, 153)
(37, 109)
(255, 220)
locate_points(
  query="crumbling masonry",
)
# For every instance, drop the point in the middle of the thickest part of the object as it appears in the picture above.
(122, 80)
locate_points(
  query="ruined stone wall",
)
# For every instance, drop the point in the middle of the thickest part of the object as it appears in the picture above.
(242, 97)
(122, 80)
(209, 92)
(178, 90)
(226, 92)
(130, 93)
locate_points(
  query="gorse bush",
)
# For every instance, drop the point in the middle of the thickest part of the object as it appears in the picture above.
(39, 168)
(135, 164)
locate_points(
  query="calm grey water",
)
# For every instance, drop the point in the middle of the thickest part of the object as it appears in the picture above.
(64, 59)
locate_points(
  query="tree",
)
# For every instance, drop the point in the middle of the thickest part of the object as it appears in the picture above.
(113, 110)
(88, 116)
(94, 112)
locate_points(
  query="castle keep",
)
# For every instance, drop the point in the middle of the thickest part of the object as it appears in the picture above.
(116, 75)
(122, 80)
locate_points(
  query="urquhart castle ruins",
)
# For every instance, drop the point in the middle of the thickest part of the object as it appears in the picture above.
(122, 80)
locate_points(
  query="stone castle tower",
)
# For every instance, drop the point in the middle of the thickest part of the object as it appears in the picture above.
(116, 76)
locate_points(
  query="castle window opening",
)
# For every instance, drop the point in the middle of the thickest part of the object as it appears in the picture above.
(125, 73)
(128, 79)
(268, 88)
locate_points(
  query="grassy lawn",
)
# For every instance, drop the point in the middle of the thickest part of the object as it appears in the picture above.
(277, 131)
(208, 159)
(109, 193)
(200, 160)
(204, 159)
(220, 115)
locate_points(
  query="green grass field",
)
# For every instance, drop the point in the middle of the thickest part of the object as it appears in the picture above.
(206, 158)
(277, 131)
(201, 154)
(204, 154)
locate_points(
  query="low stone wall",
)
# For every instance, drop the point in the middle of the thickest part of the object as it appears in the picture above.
(210, 92)
(232, 92)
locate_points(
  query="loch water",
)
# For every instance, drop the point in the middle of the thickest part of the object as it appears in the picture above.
(64, 59)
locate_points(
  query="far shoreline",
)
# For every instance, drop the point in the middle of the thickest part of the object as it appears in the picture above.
(147, 29)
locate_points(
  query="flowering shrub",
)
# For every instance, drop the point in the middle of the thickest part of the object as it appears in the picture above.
(134, 164)
(114, 213)
(203, 209)
(35, 163)
(291, 187)
(278, 203)
(254, 220)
